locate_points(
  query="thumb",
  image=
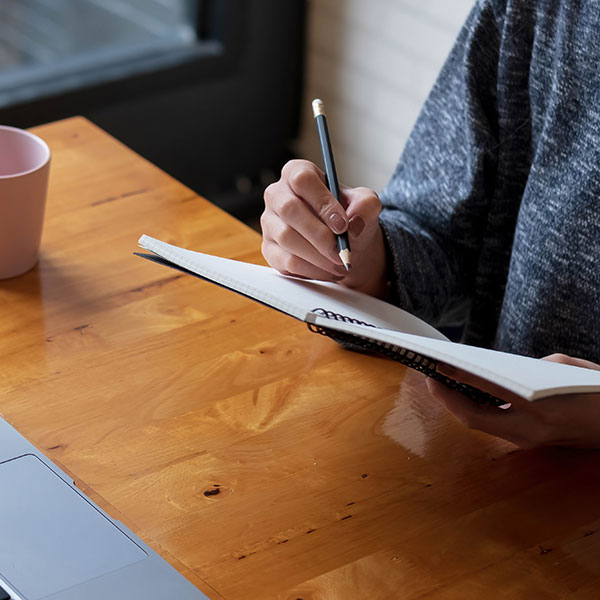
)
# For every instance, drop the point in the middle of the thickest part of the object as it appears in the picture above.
(362, 207)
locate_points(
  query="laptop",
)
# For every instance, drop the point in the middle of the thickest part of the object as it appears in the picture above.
(55, 544)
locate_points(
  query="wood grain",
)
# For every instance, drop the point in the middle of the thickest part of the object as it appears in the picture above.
(261, 460)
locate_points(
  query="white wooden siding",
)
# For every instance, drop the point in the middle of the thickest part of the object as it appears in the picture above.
(373, 62)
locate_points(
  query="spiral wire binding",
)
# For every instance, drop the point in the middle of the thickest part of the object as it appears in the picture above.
(329, 314)
(411, 359)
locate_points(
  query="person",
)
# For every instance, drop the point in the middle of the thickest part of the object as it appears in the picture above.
(491, 218)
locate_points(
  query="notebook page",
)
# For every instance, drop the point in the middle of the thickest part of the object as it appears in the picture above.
(296, 297)
(530, 378)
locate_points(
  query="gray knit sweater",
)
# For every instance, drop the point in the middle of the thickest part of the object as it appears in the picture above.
(492, 217)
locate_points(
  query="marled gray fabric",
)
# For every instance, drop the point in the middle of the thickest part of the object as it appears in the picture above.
(493, 213)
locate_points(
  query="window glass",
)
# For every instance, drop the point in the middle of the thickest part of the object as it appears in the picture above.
(48, 46)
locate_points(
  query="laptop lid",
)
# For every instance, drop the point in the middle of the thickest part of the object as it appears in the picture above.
(53, 538)
(56, 544)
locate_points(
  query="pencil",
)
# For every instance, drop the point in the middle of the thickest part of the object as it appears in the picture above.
(331, 175)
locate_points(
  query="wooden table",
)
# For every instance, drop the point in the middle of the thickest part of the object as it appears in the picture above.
(261, 460)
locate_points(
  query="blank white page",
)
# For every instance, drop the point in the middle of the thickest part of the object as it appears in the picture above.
(296, 297)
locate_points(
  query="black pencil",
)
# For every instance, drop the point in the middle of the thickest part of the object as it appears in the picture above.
(332, 181)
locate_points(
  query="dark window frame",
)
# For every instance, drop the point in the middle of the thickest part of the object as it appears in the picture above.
(223, 116)
(221, 38)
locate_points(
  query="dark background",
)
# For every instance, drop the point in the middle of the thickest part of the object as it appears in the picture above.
(220, 117)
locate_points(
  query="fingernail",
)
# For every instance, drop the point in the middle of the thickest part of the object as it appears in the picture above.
(356, 225)
(336, 278)
(445, 369)
(335, 254)
(337, 223)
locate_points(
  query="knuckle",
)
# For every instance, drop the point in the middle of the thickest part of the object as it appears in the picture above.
(292, 264)
(271, 191)
(283, 235)
(301, 177)
(559, 357)
(367, 194)
(367, 202)
(373, 203)
(287, 208)
(291, 166)
(323, 207)
(294, 166)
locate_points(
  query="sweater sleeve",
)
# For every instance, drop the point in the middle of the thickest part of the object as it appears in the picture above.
(435, 204)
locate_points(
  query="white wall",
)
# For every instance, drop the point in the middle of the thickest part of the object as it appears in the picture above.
(373, 62)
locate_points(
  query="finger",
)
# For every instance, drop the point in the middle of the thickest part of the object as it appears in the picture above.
(278, 231)
(515, 425)
(482, 384)
(364, 207)
(569, 360)
(289, 264)
(308, 183)
(296, 214)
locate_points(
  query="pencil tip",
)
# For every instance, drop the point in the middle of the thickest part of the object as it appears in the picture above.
(345, 257)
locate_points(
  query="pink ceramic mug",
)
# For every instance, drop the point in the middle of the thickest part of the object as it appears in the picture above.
(24, 169)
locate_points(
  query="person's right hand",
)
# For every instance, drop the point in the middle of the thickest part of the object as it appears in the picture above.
(299, 224)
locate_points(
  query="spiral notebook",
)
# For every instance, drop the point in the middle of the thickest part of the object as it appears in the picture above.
(372, 325)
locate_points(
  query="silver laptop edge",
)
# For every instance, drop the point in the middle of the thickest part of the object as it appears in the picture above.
(147, 577)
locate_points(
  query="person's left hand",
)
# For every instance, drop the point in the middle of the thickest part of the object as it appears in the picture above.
(567, 420)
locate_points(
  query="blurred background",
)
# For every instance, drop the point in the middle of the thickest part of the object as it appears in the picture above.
(217, 92)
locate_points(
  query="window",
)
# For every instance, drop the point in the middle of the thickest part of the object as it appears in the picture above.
(209, 90)
(49, 47)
